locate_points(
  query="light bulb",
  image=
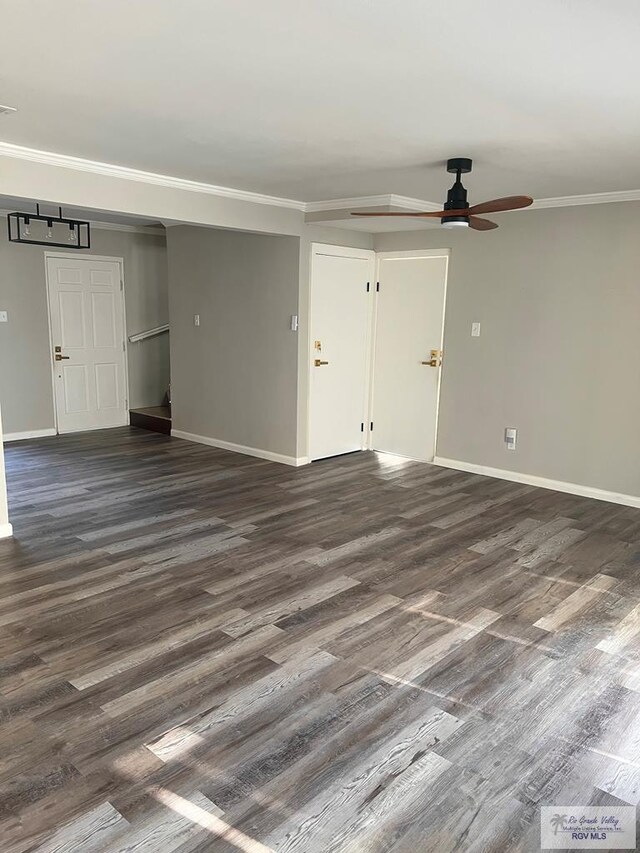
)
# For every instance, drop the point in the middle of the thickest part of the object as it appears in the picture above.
(27, 229)
(72, 235)
(50, 231)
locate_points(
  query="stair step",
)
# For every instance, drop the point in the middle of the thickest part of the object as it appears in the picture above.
(154, 418)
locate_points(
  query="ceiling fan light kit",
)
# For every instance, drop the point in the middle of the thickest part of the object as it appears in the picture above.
(456, 212)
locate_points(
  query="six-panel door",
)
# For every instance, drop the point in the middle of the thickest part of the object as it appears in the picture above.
(87, 330)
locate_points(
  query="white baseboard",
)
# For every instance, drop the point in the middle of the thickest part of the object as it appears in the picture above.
(35, 433)
(542, 482)
(240, 448)
(6, 530)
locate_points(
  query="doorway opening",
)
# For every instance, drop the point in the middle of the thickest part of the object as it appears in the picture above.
(75, 327)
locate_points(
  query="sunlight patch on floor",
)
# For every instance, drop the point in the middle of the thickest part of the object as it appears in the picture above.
(212, 822)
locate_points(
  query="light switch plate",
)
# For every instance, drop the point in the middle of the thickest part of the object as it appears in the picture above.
(475, 330)
(4, 317)
(510, 437)
(196, 319)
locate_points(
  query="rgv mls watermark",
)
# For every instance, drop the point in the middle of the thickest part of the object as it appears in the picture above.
(588, 828)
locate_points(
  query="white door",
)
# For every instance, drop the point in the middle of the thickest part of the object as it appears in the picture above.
(86, 317)
(341, 299)
(406, 375)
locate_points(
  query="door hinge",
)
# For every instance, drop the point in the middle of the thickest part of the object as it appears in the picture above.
(121, 284)
(377, 287)
(371, 426)
(124, 347)
(368, 283)
(362, 427)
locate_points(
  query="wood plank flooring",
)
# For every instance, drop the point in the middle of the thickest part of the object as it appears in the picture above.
(202, 651)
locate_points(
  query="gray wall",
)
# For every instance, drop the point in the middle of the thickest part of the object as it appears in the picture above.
(558, 294)
(25, 388)
(234, 378)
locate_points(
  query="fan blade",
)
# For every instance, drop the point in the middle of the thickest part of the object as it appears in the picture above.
(512, 202)
(481, 224)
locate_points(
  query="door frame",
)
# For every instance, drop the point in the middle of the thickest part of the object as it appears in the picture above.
(343, 252)
(92, 257)
(407, 255)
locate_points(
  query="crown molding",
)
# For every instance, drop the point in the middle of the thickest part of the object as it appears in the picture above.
(149, 230)
(49, 158)
(67, 161)
(590, 198)
(390, 200)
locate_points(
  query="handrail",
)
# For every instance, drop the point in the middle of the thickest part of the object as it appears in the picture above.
(142, 336)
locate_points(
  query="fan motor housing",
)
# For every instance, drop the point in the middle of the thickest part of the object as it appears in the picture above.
(457, 195)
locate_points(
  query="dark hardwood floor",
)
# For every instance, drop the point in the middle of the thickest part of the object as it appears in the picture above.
(203, 651)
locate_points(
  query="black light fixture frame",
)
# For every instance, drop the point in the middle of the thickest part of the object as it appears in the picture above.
(76, 226)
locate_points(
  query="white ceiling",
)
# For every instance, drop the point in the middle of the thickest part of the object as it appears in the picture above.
(323, 99)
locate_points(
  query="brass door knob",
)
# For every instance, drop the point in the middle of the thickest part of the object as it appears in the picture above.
(318, 362)
(435, 360)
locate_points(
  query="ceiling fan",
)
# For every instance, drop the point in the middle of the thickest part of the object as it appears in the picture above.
(456, 212)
